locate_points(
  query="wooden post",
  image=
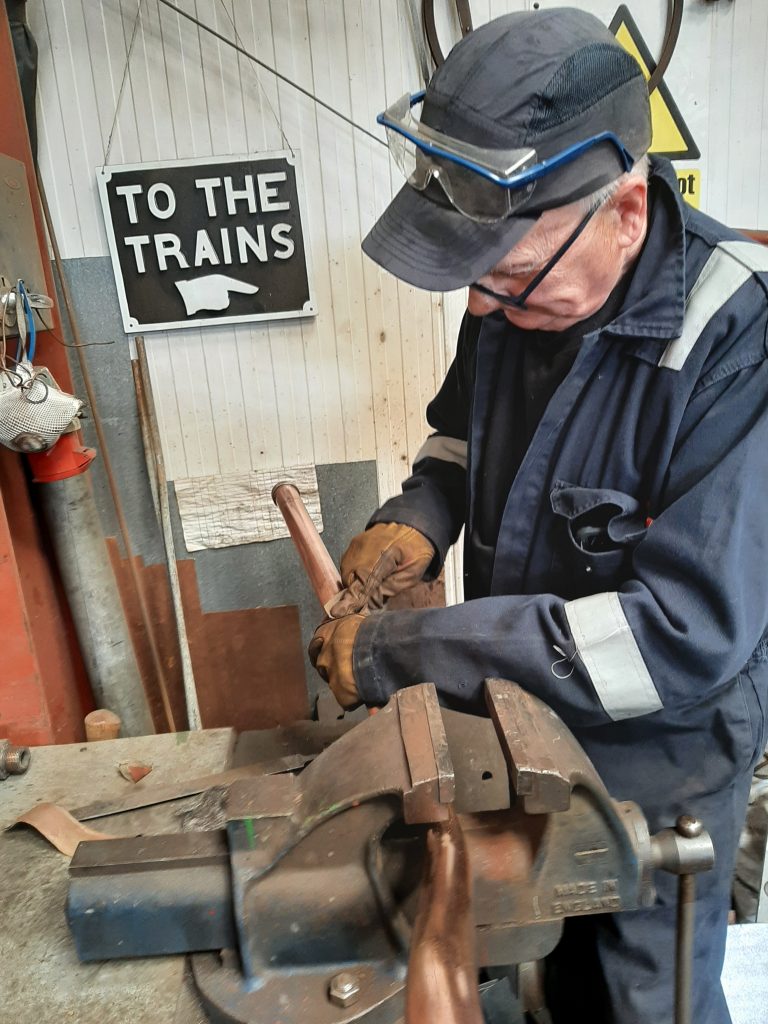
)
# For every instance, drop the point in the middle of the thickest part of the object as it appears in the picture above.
(102, 725)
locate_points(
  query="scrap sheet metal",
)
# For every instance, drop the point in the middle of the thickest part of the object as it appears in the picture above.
(222, 511)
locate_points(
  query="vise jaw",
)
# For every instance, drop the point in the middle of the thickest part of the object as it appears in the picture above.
(314, 886)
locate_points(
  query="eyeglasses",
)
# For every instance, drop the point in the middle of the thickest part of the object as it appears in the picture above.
(519, 301)
(486, 185)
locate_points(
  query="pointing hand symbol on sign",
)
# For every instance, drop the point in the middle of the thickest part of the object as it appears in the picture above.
(212, 291)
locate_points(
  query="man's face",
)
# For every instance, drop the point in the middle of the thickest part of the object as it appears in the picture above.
(580, 283)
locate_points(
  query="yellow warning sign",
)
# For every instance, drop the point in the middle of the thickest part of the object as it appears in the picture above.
(671, 137)
(689, 180)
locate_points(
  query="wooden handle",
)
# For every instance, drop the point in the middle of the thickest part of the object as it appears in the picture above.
(102, 725)
(319, 566)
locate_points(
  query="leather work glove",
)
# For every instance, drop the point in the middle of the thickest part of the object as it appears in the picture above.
(330, 651)
(379, 563)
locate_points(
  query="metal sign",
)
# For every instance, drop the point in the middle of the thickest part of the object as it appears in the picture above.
(203, 242)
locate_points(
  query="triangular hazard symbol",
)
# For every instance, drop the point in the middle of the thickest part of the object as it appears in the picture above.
(671, 137)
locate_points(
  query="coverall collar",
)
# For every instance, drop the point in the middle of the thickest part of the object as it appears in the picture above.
(654, 307)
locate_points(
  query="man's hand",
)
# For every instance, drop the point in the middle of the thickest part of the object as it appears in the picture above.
(330, 651)
(379, 563)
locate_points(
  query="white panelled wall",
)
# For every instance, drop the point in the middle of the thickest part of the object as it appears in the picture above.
(348, 385)
(352, 383)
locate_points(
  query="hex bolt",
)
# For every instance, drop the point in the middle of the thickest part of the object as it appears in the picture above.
(344, 989)
(13, 760)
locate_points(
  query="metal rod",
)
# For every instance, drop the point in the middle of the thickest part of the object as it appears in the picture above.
(122, 524)
(146, 444)
(148, 414)
(261, 64)
(686, 910)
(417, 37)
(671, 35)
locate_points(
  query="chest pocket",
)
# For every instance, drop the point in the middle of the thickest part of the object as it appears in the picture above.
(600, 528)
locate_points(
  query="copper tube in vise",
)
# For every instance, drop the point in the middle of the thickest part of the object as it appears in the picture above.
(442, 983)
(320, 568)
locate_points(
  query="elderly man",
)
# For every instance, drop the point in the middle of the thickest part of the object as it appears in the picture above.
(602, 436)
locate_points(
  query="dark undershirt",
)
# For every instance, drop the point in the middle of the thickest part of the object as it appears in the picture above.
(535, 363)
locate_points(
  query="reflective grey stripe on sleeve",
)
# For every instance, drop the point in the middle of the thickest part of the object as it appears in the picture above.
(449, 449)
(729, 267)
(607, 647)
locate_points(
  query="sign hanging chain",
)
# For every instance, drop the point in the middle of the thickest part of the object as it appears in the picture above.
(278, 122)
(136, 22)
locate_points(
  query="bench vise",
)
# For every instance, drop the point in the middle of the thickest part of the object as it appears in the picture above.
(424, 834)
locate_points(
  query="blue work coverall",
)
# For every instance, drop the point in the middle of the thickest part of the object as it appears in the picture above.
(628, 585)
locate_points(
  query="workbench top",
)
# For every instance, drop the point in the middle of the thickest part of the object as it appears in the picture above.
(41, 979)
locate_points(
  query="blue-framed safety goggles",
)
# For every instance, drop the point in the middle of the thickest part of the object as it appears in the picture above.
(486, 185)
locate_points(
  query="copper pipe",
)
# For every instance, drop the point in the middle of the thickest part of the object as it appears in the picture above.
(755, 235)
(442, 971)
(320, 568)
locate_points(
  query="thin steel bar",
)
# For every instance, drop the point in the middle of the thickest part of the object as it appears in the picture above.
(148, 413)
(261, 64)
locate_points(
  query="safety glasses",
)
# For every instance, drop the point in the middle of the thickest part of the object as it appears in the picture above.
(486, 185)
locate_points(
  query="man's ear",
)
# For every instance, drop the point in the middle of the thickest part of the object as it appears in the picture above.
(629, 206)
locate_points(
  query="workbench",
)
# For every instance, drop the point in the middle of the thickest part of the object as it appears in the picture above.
(41, 979)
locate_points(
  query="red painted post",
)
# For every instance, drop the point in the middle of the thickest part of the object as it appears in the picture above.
(44, 693)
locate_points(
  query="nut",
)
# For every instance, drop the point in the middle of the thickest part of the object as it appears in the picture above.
(13, 760)
(344, 989)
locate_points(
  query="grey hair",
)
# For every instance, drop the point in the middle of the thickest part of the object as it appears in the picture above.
(596, 199)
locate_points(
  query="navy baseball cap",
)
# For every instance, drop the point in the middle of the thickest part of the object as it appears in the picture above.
(544, 80)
